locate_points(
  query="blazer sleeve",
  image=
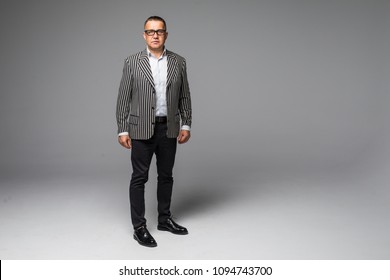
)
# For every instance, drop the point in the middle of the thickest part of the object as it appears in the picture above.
(185, 108)
(124, 98)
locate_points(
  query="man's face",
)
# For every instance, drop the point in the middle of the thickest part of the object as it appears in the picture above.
(155, 42)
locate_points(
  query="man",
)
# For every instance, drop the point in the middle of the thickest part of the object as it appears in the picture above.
(153, 114)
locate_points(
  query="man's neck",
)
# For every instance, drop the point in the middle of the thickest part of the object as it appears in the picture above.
(157, 52)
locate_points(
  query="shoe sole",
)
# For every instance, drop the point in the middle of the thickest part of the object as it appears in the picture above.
(143, 244)
(178, 233)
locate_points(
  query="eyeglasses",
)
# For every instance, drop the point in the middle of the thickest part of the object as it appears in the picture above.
(151, 32)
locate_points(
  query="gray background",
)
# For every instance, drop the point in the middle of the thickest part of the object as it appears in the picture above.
(290, 153)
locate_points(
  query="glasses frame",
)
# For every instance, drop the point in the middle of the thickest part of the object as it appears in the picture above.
(151, 32)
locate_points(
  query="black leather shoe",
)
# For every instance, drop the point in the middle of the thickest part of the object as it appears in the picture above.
(171, 226)
(144, 238)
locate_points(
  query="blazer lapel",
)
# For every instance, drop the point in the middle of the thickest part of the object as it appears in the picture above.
(144, 66)
(172, 67)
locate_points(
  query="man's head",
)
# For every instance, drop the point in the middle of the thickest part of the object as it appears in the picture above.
(155, 33)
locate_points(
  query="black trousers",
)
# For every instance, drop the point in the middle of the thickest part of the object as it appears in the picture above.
(141, 156)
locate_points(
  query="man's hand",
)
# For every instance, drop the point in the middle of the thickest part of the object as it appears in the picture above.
(125, 141)
(184, 136)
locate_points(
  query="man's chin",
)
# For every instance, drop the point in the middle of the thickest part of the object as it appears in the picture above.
(155, 48)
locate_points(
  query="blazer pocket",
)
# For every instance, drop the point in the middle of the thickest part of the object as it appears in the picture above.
(133, 120)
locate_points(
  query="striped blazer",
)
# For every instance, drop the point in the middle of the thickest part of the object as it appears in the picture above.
(135, 111)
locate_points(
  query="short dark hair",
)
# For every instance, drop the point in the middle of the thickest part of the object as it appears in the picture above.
(157, 18)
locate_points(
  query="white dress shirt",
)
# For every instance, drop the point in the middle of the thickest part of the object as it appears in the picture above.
(159, 68)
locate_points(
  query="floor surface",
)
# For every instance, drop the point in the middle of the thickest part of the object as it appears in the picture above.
(262, 215)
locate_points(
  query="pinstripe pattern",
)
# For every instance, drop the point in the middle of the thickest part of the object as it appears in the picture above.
(137, 98)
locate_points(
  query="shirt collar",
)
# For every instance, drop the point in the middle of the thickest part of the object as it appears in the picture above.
(150, 54)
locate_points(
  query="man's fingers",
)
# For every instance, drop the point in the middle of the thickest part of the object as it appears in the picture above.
(128, 143)
(125, 141)
(184, 136)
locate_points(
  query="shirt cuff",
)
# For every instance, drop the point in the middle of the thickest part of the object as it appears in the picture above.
(123, 133)
(186, 127)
